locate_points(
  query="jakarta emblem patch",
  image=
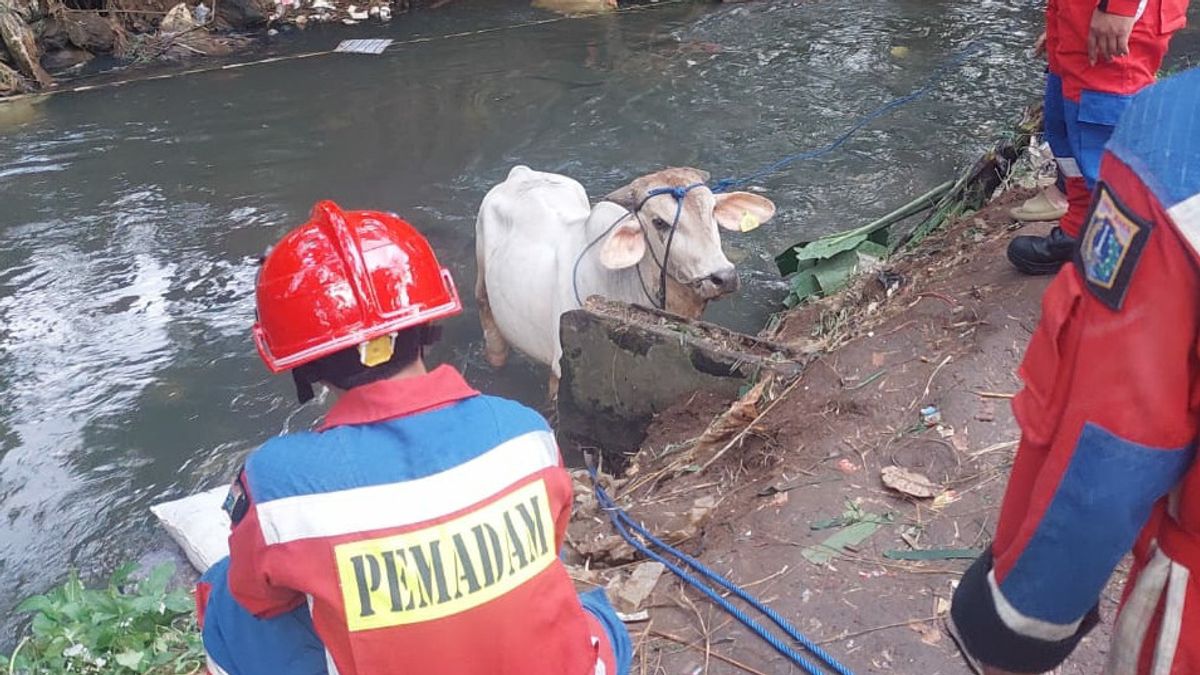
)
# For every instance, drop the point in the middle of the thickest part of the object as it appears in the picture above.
(1111, 247)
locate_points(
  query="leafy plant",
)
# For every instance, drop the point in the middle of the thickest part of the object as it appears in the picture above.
(824, 265)
(128, 627)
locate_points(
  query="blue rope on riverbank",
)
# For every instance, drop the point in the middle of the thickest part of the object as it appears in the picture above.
(951, 65)
(620, 519)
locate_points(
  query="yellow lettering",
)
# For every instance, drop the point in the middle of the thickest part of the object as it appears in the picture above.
(449, 568)
(535, 538)
(397, 578)
(464, 569)
(490, 553)
(516, 551)
(426, 569)
(365, 566)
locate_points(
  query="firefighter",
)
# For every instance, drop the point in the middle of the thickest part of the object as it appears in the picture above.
(1098, 56)
(1109, 417)
(418, 530)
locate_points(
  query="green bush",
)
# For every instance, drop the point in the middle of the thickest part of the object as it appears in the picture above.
(128, 627)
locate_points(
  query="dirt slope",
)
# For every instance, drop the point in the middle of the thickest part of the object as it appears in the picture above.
(951, 336)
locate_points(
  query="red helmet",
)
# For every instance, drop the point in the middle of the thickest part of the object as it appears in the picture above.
(343, 279)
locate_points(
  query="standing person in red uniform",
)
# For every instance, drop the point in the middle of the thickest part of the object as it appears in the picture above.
(1109, 417)
(1099, 56)
(418, 530)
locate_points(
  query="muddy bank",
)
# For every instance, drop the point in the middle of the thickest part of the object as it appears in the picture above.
(787, 490)
(49, 42)
(46, 43)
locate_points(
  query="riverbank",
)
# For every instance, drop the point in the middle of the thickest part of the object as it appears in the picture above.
(47, 44)
(915, 365)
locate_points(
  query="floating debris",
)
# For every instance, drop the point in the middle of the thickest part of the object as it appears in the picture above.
(373, 47)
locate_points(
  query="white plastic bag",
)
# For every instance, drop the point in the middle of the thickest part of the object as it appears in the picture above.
(199, 525)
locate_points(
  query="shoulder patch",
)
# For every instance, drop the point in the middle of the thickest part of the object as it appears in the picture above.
(1111, 247)
(236, 502)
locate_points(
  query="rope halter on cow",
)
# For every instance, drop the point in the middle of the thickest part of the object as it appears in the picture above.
(680, 193)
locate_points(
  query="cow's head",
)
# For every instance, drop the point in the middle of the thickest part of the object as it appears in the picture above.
(696, 260)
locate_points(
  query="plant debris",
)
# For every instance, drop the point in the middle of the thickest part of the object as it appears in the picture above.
(857, 525)
(910, 483)
(935, 554)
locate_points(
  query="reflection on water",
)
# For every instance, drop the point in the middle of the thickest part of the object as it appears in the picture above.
(132, 217)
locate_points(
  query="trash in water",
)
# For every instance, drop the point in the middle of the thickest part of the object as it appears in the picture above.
(363, 46)
(910, 483)
(931, 416)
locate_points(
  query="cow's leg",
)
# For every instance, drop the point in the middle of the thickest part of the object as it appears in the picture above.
(555, 374)
(495, 347)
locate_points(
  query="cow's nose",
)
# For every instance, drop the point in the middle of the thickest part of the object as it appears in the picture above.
(726, 280)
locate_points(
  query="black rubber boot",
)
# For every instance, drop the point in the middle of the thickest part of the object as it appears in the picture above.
(1041, 255)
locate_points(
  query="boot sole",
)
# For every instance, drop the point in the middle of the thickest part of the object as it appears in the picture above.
(1036, 269)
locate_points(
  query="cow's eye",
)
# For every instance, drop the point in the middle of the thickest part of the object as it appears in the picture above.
(661, 225)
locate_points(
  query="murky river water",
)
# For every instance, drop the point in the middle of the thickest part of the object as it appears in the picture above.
(130, 218)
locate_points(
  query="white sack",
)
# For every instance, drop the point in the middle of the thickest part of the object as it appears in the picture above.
(199, 525)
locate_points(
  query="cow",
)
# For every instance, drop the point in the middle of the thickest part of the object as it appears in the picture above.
(542, 249)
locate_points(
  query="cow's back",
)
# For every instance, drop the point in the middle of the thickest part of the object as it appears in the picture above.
(529, 230)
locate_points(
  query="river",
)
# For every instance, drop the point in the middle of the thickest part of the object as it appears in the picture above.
(131, 218)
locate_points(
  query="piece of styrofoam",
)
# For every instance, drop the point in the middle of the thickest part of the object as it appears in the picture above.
(199, 525)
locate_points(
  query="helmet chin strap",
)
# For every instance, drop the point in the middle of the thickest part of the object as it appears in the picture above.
(309, 374)
(304, 388)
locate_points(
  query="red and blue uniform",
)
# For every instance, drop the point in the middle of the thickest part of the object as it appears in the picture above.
(417, 532)
(1109, 417)
(1083, 101)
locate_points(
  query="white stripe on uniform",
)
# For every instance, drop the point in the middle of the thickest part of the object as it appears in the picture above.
(213, 668)
(1186, 215)
(1028, 626)
(1068, 167)
(1135, 616)
(1172, 625)
(379, 507)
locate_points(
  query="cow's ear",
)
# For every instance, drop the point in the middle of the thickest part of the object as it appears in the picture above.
(625, 197)
(624, 247)
(742, 211)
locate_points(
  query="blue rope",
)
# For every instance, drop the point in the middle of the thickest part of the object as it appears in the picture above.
(938, 75)
(620, 519)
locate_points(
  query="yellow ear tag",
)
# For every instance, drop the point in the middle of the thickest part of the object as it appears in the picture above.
(749, 222)
(378, 351)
